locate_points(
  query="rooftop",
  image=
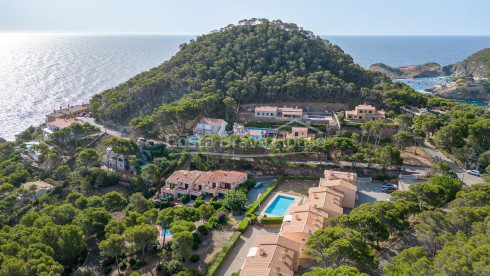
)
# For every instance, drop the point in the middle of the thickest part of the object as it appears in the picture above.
(266, 108)
(62, 123)
(211, 121)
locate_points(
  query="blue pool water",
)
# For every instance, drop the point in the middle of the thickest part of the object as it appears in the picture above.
(165, 233)
(279, 206)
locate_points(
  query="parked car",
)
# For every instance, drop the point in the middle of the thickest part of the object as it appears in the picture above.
(473, 172)
(389, 185)
(258, 185)
(389, 189)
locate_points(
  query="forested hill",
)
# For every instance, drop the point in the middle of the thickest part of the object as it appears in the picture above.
(478, 65)
(256, 61)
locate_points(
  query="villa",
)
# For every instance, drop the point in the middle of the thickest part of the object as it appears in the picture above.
(117, 161)
(327, 200)
(56, 125)
(300, 132)
(69, 112)
(278, 114)
(196, 183)
(210, 126)
(342, 182)
(272, 255)
(363, 113)
(255, 132)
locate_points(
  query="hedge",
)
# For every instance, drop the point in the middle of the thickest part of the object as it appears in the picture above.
(242, 227)
(255, 205)
(217, 262)
(275, 220)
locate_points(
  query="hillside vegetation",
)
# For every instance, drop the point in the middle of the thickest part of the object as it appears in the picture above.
(255, 61)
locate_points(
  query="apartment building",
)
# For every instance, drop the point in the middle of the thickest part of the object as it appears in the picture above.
(196, 183)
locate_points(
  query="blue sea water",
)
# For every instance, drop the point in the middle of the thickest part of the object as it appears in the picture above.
(41, 72)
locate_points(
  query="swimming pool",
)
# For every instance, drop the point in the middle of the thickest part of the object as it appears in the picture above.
(279, 206)
(165, 233)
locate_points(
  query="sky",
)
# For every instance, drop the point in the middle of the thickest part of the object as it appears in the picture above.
(192, 17)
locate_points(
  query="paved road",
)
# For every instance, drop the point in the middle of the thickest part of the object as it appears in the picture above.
(467, 179)
(104, 128)
(235, 259)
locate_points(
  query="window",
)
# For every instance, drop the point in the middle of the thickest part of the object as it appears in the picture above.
(360, 111)
(302, 249)
(227, 186)
(303, 240)
(186, 186)
(370, 111)
(200, 187)
(350, 116)
(214, 185)
(360, 117)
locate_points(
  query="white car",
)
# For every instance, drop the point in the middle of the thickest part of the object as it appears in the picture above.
(473, 172)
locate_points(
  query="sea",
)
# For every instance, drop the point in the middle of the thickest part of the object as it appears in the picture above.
(43, 72)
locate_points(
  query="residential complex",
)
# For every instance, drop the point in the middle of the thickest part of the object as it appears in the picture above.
(337, 190)
(210, 126)
(294, 114)
(196, 183)
(69, 112)
(363, 113)
(255, 132)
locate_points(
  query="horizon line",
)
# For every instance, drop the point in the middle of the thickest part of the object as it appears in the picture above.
(190, 34)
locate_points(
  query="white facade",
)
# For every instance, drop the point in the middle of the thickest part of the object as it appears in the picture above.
(211, 126)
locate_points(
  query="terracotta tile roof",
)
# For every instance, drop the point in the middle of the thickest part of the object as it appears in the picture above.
(275, 256)
(187, 177)
(347, 176)
(211, 121)
(326, 199)
(266, 108)
(337, 182)
(62, 123)
(306, 219)
(225, 176)
(277, 240)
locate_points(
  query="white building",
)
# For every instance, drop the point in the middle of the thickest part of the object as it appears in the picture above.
(211, 126)
(116, 161)
(266, 111)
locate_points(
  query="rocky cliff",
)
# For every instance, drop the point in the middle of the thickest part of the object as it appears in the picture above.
(429, 69)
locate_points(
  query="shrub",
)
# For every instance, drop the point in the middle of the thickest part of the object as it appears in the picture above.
(203, 230)
(194, 258)
(107, 269)
(216, 204)
(137, 265)
(185, 199)
(132, 261)
(123, 265)
(170, 198)
(276, 220)
(214, 198)
(242, 227)
(221, 216)
(109, 261)
(235, 274)
(253, 219)
(198, 203)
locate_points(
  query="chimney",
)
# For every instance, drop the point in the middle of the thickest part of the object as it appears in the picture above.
(284, 259)
(297, 217)
(278, 271)
(262, 252)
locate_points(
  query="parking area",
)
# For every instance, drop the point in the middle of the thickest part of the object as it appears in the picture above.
(369, 192)
(254, 193)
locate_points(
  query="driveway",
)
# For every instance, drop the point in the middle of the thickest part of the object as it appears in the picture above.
(467, 179)
(369, 192)
(254, 194)
(236, 257)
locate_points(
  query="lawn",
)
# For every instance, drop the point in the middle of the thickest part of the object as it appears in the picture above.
(296, 187)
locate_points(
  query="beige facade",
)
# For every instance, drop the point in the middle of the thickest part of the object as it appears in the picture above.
(196, 183)
(363, 113)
